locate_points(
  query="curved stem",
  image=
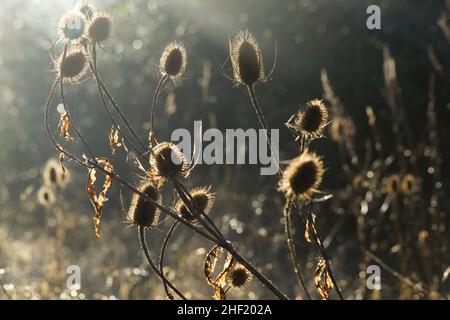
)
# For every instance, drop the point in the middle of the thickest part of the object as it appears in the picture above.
(154, 101)
(151, 263)
(161, 258)
(66, 108)
(291, 247)
(266, 282)
(92, 164)
(94, 70)
(318, 241)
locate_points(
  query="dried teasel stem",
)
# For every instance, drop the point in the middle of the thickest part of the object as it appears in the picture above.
(291, 247)
(141, 231)
(160, 84)
(66, 108)
(319, 244)
(163, 250)
(91, 163)
(102, 88)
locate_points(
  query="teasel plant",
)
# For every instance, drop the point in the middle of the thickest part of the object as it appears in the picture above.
(146, 205)
(248, 71)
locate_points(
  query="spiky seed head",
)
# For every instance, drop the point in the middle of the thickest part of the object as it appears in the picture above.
(246, 59)
(302, 177)
(168, 161)
(409, 185)
(74, 65)
(143, 212)
(313, 119)
(239, 276)
(393, 184)
(173, 60)
(86, 8)
(203, 199)
(72, 26)
(99, 28)
(46, 196)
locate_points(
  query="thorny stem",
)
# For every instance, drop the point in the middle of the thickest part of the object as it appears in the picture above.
(291, 246)
(151, 263)
(154, 101)
(161, 258)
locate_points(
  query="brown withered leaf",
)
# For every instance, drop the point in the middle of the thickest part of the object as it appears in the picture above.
(98, 201)
(210, 264)
(218, 282)
(322, 279)
(221, 278)
(115, 141)
(64, 125)
(308, 227)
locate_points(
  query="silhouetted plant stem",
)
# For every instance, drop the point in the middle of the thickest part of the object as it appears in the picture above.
(260, 114)
(69, 116)
(155, 100)
(90, 164)
(289, 239)
(101, 89)
(318, 241)
(152, 265)
(163, 249)
(291, 247)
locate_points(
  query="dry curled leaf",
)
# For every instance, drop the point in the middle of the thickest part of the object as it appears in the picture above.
(64, 125)
(322, 279)
(114, 139)
(310, 227)
(98, 201)
(218, 282)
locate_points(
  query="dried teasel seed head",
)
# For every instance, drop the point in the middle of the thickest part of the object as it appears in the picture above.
(99, 29)
(167, 161)
(72, 26)
(246, 59)
(86, 8)
(302, 177)
(239, 276)
(313, 119)
(392, 184)
(203, 199)
(409, 185)
(74, 65)
(173, 60)
(46, 196)
(143, 212)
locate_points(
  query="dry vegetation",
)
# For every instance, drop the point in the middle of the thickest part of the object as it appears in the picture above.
(390, 189)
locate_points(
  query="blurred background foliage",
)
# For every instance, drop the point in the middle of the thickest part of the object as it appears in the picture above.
(37, 243)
